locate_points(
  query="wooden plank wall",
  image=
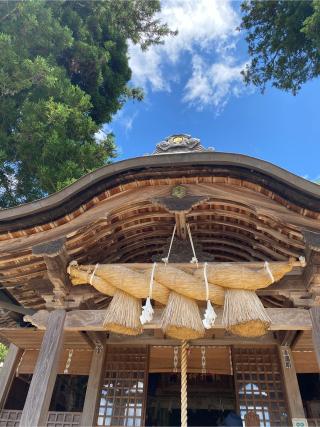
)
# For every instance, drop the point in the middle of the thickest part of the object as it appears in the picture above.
(304, 356)
(31, 338)
(161, 358)
(218, 359)
(305, 362)
(80, 362)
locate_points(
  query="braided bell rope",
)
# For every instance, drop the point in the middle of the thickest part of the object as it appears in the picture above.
(184, 396)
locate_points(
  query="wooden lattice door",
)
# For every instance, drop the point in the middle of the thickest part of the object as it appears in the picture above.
(123, 393)
(259, 385)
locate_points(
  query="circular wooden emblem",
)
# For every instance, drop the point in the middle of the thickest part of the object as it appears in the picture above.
(179, 191)
(177, 139)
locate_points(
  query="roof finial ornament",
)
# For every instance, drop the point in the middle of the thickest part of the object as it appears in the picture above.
(179, 143)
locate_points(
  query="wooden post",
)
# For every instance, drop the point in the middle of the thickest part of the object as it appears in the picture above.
(291, 383)
(35, 410)
(8, 372)
(315, 320)
(93, 387)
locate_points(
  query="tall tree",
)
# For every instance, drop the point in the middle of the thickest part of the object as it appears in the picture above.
(63, 73)
(283, 41)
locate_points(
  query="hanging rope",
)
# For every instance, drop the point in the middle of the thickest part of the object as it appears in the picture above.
(203, 360)
(93, 273)
(184, 396)
(194, 258)
(68, 362)
(209, 315)
(267, 267)
(175, 358)
(20, 361)
(147, 309)
(166, 259)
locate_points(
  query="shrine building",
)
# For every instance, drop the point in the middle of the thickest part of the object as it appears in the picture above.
(177, 288)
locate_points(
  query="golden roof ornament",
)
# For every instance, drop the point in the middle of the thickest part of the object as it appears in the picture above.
(179, 143)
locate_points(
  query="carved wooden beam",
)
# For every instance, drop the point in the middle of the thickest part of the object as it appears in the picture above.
(267, 339)
(16, 308)
(179, 202)
(285, 286)
(56, 258)
(92, 320)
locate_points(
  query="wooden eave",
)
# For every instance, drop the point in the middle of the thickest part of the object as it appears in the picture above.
(241, 209)
(286, 185)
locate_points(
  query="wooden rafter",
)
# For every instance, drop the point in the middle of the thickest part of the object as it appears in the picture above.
(233, 220)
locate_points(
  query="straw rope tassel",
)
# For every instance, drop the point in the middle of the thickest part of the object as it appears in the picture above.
(147, 309)
(267, 268)
(209, 315)
(184, 396)
(122, 314)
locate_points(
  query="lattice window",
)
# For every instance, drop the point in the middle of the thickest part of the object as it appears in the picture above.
(11, 418)
(259, 385)
(123, 393)
(64, 419)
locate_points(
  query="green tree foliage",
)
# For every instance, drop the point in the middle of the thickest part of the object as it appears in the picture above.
(283, 41)
(3, 352)
(63, 73)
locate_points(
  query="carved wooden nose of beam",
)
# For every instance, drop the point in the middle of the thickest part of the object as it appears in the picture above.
(56, 258)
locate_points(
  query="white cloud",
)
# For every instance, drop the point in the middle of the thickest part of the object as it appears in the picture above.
(127, 121)
(200, 23)
(213, 84)
(146, 67)
(121, 118)
(205, 28)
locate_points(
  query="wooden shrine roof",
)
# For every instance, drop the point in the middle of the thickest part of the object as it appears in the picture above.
(239, 209)
(286, 185)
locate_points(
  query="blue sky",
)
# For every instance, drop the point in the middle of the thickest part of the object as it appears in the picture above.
(193, 85)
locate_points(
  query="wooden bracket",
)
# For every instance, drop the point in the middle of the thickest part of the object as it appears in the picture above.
(179, 202)
(56, 258)
(286, 338)
(97, 340)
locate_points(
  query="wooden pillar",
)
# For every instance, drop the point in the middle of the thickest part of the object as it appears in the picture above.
(8, 372)
(93, 388)
(291, 383)
(35, 410)
(315, 319)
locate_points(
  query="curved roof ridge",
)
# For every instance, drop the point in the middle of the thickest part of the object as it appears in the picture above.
(256, 170)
